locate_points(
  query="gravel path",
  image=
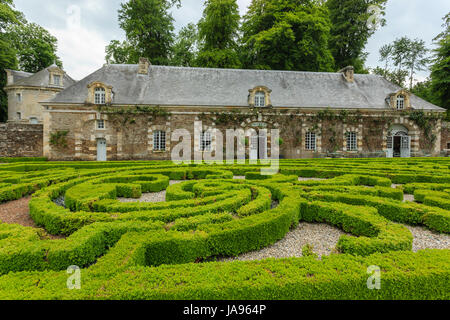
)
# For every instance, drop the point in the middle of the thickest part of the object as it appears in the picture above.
(18, 212)
(310, 179)
(427, 239)
(239, 177)
(322, 237)
(153, 197)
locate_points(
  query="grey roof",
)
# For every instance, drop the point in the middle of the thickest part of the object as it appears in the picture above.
(42, 79)
(17, 75)
(230, 87)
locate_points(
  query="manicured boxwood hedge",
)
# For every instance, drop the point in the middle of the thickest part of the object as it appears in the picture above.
(161, 250)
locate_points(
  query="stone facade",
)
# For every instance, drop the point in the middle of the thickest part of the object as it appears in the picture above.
(129, 136)
(21, 140)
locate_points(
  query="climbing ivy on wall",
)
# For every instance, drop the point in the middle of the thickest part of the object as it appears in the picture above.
(59, 139)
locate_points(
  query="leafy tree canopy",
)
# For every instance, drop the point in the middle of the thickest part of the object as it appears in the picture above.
(350, 29)
(148, 26)
(218, 31)
(287, 35)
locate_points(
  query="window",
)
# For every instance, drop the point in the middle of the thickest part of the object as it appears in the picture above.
(260, 99)
(57, 80)
(100, 96)
(352, 142)
(400, 102)
(159, 141)
(448, 145)
(19, 97)
(19, 115)
(34, 120)
(100, 124)
(205, 141)
(311, 141)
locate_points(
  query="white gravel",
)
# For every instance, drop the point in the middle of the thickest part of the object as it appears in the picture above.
(150, 197)
(322, 237)
(239, 177)
(427, 239)
(310, 179)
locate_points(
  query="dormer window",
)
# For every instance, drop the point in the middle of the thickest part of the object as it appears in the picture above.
(100, 96)
(260, 99)
(400, 102)
(99, 93)
(57, 80)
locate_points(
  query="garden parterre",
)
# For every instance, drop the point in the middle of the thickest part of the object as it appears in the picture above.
(166, 250)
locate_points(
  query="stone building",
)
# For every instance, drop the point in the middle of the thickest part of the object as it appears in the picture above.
(25, 91)
(123, 112)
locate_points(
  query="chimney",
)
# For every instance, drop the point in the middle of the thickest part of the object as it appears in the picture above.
(348, 73)
(9, 78)
(144, 64)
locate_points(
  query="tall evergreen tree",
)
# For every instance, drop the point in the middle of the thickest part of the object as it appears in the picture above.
(351, 31)
(287, 35)
(8, 59)
(185, 49)
(148, 26)
(218, 32)
(440, 71)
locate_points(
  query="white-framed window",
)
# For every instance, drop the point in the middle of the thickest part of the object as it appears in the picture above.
(100, 124)
(19, 115)
(159, 140)
(400, 102)
(100, 96)
(310, 143)
(205, 141)
(57, 80)
(34, 120)
(352, 141)
(19, 97)
(260, 99)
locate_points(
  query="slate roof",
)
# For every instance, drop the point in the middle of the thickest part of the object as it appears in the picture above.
(180, 86)
(39, 79)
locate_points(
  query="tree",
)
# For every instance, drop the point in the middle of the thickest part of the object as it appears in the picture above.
(440, 70)
(185, 49)
(417, 59)
(218, 32)
(408, 56)
(423, 90)
(397, 76)
(8, 59)
(287, 35)
(35, 46)
(352, 28)
(148, 26)
(121, 53)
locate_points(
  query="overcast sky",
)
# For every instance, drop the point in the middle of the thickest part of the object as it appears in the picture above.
(85, 27)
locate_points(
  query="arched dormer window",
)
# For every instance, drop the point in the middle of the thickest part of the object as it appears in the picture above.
(260, 99)
(100, 96)
(99, 93)
(400, 102)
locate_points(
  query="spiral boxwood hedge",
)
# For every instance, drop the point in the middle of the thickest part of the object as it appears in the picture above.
(167, 250)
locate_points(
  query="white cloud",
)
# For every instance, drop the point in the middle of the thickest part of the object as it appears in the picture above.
(81, 49)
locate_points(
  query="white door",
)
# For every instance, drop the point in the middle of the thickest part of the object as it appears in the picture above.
(405, 150)
(101, 150)
(254, 141)
(390, 147)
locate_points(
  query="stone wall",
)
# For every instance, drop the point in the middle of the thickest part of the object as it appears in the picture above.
(130, 136)
(21, 140)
